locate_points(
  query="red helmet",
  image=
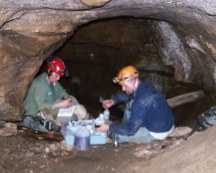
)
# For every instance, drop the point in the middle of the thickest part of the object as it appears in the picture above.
(56, 65)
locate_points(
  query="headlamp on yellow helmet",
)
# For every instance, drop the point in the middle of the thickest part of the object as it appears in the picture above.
(125, 74)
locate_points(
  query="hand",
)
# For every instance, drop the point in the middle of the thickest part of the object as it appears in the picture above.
(107, 103)
(67, 102)
(103, 128)
(63, 104)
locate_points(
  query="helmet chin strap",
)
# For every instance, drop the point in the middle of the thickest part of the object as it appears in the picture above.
(133, 86)
(136, 84)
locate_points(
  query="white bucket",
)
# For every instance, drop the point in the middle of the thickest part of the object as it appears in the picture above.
(82, 139)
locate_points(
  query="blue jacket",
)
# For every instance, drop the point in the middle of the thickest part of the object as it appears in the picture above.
(149, 109)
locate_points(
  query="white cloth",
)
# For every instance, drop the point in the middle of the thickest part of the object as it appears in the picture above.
(78, 112)
(161, 136)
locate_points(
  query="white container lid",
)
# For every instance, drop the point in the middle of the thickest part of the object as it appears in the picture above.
(82, 132)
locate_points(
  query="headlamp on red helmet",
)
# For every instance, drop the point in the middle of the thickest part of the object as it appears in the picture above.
(56, 65)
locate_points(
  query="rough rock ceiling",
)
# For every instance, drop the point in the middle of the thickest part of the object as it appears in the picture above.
(31, 30)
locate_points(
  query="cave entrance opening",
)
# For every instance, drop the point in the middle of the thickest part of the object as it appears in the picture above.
(96, 52)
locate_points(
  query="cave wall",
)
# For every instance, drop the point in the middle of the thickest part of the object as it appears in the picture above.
(98, 50)
(32, 30)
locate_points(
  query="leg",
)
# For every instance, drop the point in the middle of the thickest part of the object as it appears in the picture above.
(30, 122)
(141, 136)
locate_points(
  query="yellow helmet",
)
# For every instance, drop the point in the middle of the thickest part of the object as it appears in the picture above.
(125, 74)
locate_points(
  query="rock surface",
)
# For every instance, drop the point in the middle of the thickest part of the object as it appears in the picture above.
(186, 34)
(195, 155)
(95, 3)
(32, 30)
(8, 129)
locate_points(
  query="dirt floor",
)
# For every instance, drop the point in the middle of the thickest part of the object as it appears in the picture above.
(24, 153)
(27, 154)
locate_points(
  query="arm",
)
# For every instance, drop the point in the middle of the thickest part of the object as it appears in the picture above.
(63, 99)
(62, 104)
(139, 111)
(37, 94)
(119, 98)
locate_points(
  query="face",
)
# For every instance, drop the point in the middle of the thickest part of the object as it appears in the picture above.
(129, 86)
(54, 77)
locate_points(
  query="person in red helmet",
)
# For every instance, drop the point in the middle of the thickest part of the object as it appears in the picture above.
(46, 96)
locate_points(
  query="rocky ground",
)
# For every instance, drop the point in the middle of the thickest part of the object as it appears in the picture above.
(27, 152)
(24, 153)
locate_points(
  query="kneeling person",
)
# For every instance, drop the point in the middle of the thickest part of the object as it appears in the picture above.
(147, 115)
(45, 97)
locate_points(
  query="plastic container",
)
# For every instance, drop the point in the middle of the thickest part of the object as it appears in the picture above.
(106, 115)
(73, 126)
(98, 138)
(82, 139)
(69, 135)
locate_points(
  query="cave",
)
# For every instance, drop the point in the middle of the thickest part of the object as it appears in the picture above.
(171, 43)
(96, 52)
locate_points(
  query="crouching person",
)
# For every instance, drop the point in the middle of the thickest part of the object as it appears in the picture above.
(147, 116)
(45, 97)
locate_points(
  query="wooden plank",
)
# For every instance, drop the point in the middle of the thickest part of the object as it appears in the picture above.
(185, 98)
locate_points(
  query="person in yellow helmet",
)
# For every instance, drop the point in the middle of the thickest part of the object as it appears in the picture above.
(147, 115)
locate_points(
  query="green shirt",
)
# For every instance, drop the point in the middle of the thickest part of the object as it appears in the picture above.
(42, 95)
